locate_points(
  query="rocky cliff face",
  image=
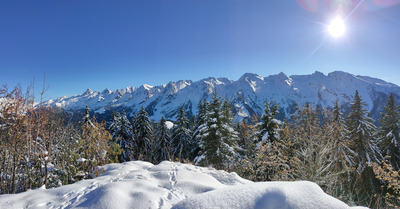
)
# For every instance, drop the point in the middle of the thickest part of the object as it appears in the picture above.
(248, 94)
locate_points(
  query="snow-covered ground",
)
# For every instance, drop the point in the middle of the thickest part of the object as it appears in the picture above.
(173, 185)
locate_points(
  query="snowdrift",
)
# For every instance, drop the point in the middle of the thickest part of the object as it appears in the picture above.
(173, 185)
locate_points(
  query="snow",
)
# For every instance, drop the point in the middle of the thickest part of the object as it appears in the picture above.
(248, 94)
(147, 87)
(169, 124)
(266, 195)
(139, 184)
(100, 111)
(81, 160)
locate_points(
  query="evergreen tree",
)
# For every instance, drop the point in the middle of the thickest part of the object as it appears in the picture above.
(122, 133)
(144, 134)
(389, 133)
(199, 121)
(275, 160)
(163, 142)
(201, 117)
(268, 127)
(361, 135)
(216, 148)
(114, 126)
(230, 137)
(181, 137)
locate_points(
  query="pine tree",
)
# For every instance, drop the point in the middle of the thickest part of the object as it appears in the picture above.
(230, 137)
(198, 123)
(144, 134)
(181, 137)
(274, 160)
(217, 148)
(268, 127)
(163, 142)
(389, 133)
(361, 135)
(122, 133)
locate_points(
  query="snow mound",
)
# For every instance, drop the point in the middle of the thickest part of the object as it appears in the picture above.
(140, 184)
(265, 195)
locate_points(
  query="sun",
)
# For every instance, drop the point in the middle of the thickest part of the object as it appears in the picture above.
(337, 28)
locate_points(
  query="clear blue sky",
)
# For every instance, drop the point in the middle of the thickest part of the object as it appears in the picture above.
(102, 44)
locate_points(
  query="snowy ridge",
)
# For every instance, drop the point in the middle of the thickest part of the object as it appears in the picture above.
(248, 94)
(139, 184)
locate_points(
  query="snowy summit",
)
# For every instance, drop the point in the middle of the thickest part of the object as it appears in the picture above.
(139, 184)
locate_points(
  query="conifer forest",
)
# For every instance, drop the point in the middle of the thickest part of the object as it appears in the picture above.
(351, 157)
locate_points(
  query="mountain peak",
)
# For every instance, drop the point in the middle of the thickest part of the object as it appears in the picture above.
(87, 92)
(339, 74)
(280, 77)
(146, 87)
(251, 76)
(106, 91)
(318, 73)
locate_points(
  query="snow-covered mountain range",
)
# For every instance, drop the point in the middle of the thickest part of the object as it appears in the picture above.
(248, 94)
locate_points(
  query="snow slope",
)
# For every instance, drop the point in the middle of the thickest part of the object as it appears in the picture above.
(248, 94)
(144, 185)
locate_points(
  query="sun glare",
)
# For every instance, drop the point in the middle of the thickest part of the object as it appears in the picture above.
(336, 27)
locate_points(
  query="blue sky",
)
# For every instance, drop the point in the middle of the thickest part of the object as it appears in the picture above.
(102, 44)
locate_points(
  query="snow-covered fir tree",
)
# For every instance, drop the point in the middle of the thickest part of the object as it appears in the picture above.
(144, 136)
(217, 147)
(361, 135)
(268, 127)
(162, 149)
(389, 132)
(199, 120)
(230, 137)
(266, 158)
(181, 137)
(122, 133)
